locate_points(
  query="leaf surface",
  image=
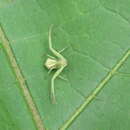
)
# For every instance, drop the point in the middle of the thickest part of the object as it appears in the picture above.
(97, 34)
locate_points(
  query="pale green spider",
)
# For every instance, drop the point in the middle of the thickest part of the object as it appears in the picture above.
(58, 63)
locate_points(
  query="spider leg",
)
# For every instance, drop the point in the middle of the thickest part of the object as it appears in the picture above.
(50, 45)
(50, 70)
(61, 77)
(63, 49)
(57, 73)
(51, 56)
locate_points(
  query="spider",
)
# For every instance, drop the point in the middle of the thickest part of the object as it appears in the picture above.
(58, 62)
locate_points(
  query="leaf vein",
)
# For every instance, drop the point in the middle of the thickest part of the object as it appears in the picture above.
(94, 93)
(16, 69)
(116, 12)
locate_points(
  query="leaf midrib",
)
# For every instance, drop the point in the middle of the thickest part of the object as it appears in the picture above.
(22, 84)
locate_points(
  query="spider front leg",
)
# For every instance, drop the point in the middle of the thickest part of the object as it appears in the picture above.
(57, 73)
(56, 53)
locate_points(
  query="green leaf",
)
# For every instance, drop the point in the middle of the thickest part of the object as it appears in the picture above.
(96, 95)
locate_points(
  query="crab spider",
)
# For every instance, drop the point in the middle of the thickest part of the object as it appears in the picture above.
(58, 62)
